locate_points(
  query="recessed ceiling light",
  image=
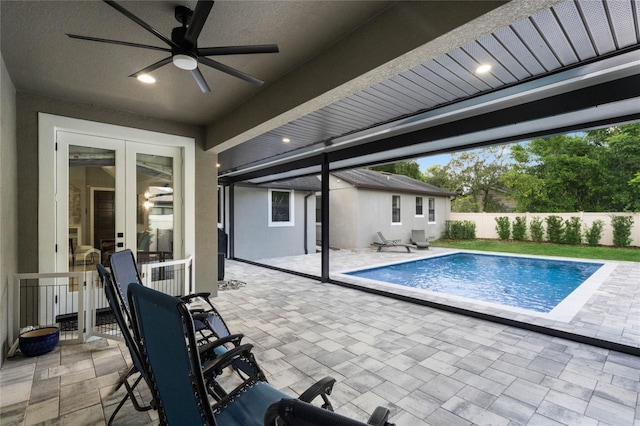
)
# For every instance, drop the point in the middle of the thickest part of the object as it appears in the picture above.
(286, 140)
(483, 68)
(146, 78)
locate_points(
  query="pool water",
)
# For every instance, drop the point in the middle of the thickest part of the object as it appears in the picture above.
(529, 283)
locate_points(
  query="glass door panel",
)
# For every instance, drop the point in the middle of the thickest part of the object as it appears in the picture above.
(90, 213)
(154, 221)
(92, 207)
(155, 231)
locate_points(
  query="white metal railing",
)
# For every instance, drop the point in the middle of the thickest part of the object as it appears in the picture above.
(171, 277)
(75, 301)
(40, 299)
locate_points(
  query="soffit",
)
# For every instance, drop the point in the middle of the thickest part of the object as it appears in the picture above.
(552, 40)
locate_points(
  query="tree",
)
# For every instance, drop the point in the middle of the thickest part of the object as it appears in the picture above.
(621, 163)
(475, 176)
(409, 168)
(594, 171)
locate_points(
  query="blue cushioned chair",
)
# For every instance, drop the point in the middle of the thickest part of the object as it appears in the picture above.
(115, 302)
(177, 381)
(212, 330)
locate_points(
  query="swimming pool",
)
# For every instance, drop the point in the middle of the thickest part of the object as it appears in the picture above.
(530, 283)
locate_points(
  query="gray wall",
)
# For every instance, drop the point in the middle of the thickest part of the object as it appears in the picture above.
(356, 216)
(254, 239)
(8, 201)
(28, 106)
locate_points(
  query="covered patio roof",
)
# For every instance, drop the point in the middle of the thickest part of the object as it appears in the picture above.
(571, 65)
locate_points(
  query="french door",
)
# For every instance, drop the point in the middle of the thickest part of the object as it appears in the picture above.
(114, 194)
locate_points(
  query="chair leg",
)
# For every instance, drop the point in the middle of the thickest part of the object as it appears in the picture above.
(128, 395)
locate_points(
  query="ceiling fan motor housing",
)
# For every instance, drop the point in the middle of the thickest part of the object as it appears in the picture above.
(183, 15)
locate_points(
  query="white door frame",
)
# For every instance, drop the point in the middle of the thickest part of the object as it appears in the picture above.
(49, 226)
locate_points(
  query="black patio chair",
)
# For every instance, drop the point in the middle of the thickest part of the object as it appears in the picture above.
(208, 321)
(123, 319)
(178, 383)
(115, 302)
(214, 335)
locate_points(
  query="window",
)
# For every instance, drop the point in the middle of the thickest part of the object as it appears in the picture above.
(419, 211)
(432, 210)
(220, 205)
(280, 208)
(395, 209)
(318, 209)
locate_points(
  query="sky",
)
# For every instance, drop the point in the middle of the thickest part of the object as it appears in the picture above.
(427, 162)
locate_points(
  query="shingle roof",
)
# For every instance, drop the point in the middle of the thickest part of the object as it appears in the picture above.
(366, 179)
(304, 183)
(371, 179)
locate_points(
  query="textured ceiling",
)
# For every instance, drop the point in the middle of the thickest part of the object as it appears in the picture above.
(41, 59)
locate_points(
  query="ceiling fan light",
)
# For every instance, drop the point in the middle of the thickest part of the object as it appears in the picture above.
(185, 62)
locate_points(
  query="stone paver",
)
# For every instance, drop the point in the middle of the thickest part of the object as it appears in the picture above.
(430, 367)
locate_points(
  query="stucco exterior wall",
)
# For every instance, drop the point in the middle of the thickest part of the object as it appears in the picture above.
(28, 106)
(358, 214)
(254, 239)
(8, 202)
(343, 214)
(375, 215)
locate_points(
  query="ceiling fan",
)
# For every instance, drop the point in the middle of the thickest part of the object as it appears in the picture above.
(183, 45)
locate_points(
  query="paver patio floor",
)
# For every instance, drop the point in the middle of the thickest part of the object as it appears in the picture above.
(429, 366)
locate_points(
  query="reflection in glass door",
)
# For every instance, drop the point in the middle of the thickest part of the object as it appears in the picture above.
(92, 207)
(154, 215)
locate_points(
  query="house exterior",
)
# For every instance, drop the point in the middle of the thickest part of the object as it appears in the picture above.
(282, 214)
(362, 202)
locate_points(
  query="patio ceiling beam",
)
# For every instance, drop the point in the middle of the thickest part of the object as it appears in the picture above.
(610, 102)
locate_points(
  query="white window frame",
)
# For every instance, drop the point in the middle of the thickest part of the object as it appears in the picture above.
(291, 221)
(393, 198)
(421, 206)
(221, 207)
(318, 207)
(430, 201)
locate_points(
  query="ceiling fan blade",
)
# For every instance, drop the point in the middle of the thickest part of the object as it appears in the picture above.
(140, 22)
(199, 78)
(227, 69)
(121, 43)
(152, 67)
(200, 15)
(238, 50)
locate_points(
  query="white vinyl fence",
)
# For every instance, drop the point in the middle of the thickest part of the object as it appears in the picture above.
(486, 223)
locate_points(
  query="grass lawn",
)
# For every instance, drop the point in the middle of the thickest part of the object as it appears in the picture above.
(544, 249)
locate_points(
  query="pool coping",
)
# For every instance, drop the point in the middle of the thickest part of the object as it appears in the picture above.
(610, 319)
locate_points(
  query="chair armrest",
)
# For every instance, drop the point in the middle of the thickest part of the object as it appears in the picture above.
(235, 339)
(322, 388)
(295, 412)
(188, 297)
(380, 417)
(220, 363)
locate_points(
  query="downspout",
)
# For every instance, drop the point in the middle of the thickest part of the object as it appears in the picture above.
(306, 208)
